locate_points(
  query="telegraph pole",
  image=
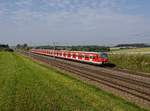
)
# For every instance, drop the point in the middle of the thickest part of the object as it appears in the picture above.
(54, 47)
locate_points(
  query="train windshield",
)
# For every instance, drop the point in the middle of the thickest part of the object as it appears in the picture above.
(104, 55)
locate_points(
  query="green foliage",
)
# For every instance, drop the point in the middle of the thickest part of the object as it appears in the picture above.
(22, 46)
(140, 45)
(90, 48)
(27, 86)
(135, 62)
(4, 47)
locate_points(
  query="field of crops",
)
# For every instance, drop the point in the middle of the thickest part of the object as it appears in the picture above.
(136, 63)
(130, 51)
(132, 59)
(28, 86)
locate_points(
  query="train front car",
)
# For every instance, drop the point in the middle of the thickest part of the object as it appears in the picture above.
(104, 57)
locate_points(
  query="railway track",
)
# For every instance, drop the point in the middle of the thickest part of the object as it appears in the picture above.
(134, 86)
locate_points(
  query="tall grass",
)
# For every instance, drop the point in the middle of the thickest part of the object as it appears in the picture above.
(135, 62)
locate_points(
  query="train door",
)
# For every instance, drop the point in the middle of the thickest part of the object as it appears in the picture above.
(87, 58)
(74, 55)
(64, 54)
(95, 58)
(80, 56)
(69, 55)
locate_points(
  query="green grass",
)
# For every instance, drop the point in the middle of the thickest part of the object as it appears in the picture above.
(133, 62)
(27, 86)
(131, 51)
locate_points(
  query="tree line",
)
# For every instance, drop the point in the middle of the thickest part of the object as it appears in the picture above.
(137, 45)
(5, 47)
(92, 48)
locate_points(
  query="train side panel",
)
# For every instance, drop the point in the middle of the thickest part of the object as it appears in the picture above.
(94, 58)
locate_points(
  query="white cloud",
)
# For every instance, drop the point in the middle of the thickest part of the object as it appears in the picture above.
(104, 24)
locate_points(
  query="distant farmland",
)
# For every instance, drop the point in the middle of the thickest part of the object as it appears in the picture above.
(133, 62)
(137, 59)
(27, 86)
(130, 51)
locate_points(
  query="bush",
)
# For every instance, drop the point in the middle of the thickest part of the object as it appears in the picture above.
(9, 50)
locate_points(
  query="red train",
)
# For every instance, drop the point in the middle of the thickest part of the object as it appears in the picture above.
(88, 57)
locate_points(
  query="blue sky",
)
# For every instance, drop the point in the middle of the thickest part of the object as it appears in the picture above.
(71, 22)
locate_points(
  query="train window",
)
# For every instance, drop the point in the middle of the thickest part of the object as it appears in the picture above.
(80, 56)
(91, 57)
(74, 55)
(104, 55)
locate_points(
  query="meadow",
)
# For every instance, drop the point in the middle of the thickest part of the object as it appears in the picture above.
(130, 50)
(134, 62)
(137, 60)
(28, 86)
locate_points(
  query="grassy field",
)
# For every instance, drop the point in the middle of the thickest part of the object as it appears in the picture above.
(133, 59)
(130, 51)
(27, 86)
(134, 62)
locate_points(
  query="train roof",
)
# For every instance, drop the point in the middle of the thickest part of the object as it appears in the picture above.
(76, 51)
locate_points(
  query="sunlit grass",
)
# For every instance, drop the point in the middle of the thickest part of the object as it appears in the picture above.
(27, 86)
(132, 50)
(134, 62)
